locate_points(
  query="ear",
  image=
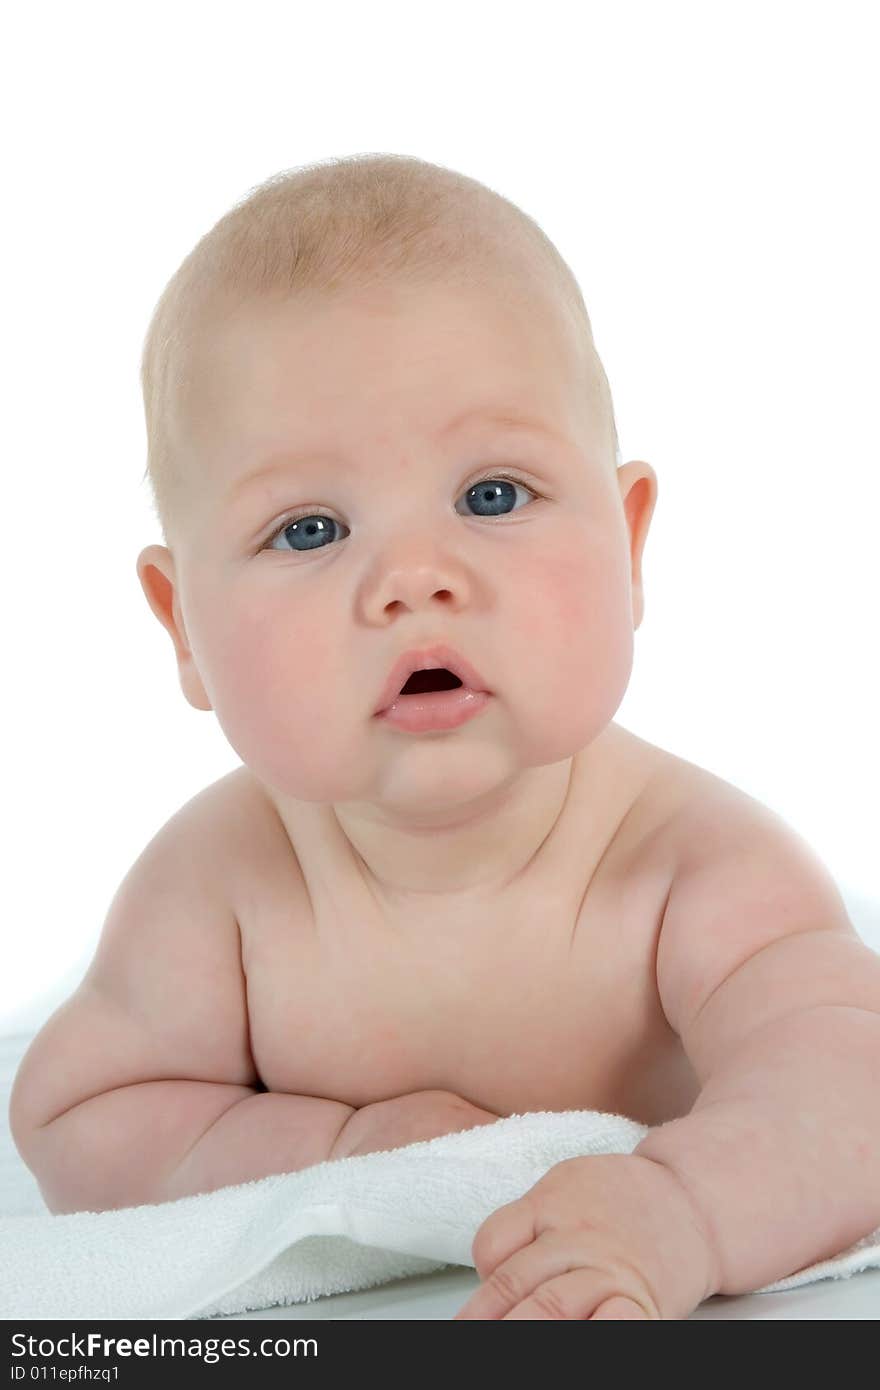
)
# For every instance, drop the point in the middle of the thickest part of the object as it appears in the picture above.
(156, 572)
(638, 491)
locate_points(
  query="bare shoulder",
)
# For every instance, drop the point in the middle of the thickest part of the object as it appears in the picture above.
(164, 994)
(239, 819)
(696, 815)
(754, 924)
(721, 855)
(208, 838)
(262, 879)
(231, 807)
(712, 825)
(664, 791)
(176, 912)
(723, 845)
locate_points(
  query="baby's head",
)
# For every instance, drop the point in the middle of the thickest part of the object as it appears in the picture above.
(327, 378)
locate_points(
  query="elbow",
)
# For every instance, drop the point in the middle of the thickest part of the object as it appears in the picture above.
(73, 1168)
(60, 1183)
(61, 1175)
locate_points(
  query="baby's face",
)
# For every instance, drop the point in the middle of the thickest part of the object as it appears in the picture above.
(375, 415)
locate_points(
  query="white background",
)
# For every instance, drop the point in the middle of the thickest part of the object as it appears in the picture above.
(708, 170)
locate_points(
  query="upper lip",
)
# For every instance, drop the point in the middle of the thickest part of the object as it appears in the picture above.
(430, 658)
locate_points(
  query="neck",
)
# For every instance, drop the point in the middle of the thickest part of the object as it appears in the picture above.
(519, 836)
(483, 846)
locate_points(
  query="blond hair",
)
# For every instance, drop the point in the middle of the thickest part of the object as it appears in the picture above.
(328, 226)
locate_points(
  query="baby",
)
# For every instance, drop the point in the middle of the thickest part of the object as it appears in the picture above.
(404, 570)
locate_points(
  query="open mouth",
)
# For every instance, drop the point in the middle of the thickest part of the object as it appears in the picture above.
(433, 699)
(420, 682)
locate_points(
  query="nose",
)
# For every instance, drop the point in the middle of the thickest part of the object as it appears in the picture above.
(416, 580)
(414, 589)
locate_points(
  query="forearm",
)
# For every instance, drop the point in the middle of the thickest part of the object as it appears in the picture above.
(780, 1155)
(160, 1140)
(269, 1132)
(408, 1119)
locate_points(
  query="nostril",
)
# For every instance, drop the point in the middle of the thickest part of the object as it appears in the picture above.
(422, 681)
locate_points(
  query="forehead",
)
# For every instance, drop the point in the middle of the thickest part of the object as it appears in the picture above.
(390, 362)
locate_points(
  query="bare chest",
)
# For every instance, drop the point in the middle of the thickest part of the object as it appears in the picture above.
(543, 1005)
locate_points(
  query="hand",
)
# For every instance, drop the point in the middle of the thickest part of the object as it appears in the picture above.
(606, 1236)
(406, 1119)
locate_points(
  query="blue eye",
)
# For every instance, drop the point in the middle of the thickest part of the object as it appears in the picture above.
(310, 532)
(304, 531)
(495, 494)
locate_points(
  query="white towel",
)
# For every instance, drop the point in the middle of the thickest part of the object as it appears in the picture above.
(345, 1225)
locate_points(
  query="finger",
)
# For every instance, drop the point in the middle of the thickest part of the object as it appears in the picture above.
(569, 1297)
(577, 1295)
(503, 1233)
(620, 1308)
(514, 1279)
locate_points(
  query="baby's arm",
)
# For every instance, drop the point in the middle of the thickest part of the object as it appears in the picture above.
(777, 1166)
(155, 1141)
(777, 1003)
(141, 1087)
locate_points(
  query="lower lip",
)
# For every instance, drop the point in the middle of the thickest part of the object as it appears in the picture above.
(435, 710)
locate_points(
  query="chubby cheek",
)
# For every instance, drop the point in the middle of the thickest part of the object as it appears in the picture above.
(281, 689)
(573, 633)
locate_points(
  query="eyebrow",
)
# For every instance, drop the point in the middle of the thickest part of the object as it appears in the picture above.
(506, 419)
